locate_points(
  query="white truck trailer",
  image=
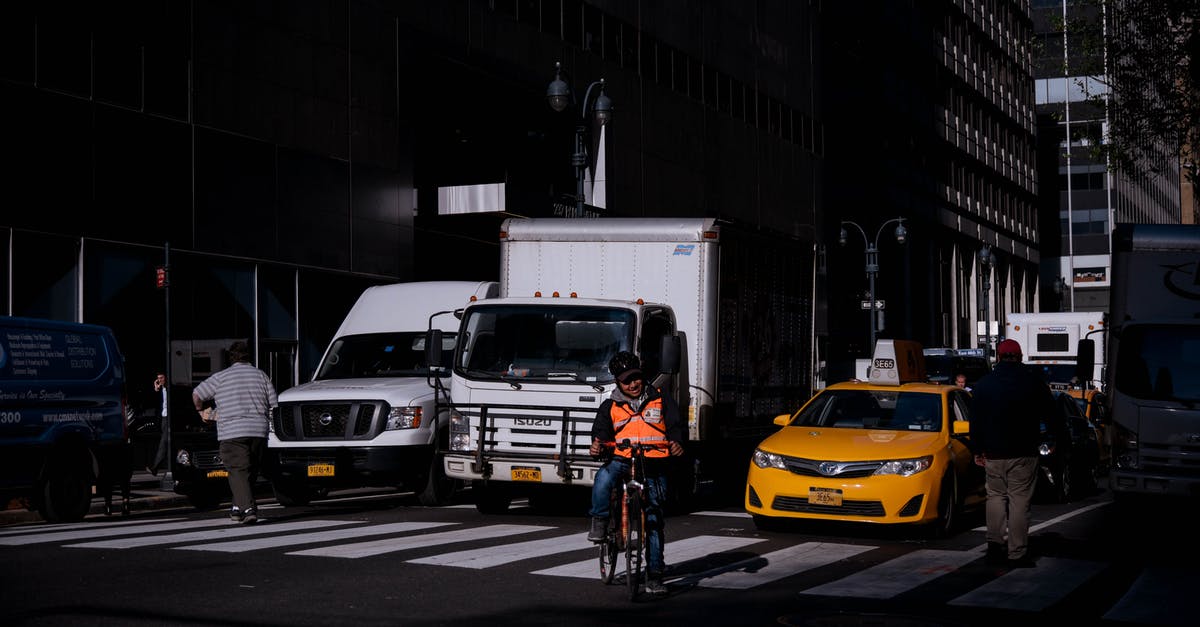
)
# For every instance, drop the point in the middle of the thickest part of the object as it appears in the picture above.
(1154, 361)
(722, 318)
(1050, 341)
(367, 418)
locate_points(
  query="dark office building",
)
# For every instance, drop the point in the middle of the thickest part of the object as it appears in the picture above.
(277, 158)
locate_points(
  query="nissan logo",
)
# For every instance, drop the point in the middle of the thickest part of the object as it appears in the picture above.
(326, 419)
(828, 468)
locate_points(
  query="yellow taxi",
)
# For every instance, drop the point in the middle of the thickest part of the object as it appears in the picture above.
(891, 450)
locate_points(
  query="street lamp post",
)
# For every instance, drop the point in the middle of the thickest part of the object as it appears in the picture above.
(872, 250)
(558, 94)
(986, 261)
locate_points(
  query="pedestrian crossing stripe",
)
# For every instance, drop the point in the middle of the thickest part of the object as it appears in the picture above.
(895, 576)
(1032, 589)
(110, 531)
(404, 543)
(316, 537)
(81, 525)
(679, 552)
(488, 557)
(211, 534)
(768, 567)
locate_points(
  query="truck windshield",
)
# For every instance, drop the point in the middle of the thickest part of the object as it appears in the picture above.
(1160, 363)
(873, 409)
(561, 343)
(380, 355)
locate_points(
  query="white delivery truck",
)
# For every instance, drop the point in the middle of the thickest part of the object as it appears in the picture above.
(1154, 361)
(367, 418)
(1050, 342)
(722, 318)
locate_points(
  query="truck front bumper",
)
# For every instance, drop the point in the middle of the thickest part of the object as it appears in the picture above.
(517, 470)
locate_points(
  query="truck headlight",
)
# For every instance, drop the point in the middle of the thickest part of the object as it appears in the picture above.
(460, 432)
(763, 459)
(1124, 448)
(905, 467)
(403, 418)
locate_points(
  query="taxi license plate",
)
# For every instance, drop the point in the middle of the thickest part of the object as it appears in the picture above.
(320, 470)
(212, 474)
(526, 474)
(825, 496)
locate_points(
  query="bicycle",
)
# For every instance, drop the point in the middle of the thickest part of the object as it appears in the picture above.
(629, 498)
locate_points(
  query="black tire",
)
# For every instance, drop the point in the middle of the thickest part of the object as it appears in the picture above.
(65, 494)
(435, 488)
(491, 498)
(204, 499)
(635, 540)
(1065, 491)
(291, 494)
(609, 551)
(947, 508)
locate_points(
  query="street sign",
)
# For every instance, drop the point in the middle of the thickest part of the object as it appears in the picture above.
(866, 304)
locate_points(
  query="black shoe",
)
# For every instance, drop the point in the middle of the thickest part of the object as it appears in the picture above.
(108, 509)
(236, 515)
(598, 530)
(250, 517)
(125, 507)
(1024, 562)
(655, 586)
(997, 554)
(152, 470)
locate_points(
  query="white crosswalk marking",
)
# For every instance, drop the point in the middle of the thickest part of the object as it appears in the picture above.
(254, 544)
(768, 567)
(676, 553)
(892, 577)
(1154, 598)
(81, 525)
(506, 553)
(391, 545)
(1032, 589)
(212, 534)
(107, 532)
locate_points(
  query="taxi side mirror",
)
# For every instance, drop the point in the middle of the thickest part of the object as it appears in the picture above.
(960, 427)
(783, 419)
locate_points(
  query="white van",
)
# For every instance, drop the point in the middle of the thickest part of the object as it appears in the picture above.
(367, 418)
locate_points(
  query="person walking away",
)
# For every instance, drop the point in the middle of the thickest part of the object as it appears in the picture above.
(1007, 406)
(160, 402)
(640, 414)
(244, 397)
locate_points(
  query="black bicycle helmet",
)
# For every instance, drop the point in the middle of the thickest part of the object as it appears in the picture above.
(625, 366)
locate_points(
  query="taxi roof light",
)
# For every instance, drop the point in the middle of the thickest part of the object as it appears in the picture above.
(896, 362)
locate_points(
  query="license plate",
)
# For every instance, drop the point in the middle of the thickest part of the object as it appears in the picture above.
(526, 474)
(320, 470)
(825, 496)
(214, 474)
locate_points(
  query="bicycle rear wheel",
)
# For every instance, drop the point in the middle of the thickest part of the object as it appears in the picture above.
(634, 540)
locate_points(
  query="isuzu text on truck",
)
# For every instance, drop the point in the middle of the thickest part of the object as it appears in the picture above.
(721, 317)
(1154, 360)
(367, 418)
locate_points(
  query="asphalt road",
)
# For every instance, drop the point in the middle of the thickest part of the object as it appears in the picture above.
(381, 558)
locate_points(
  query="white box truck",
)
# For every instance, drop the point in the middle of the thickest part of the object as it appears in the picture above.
(1050, 342)
(367, 418)
(1154, 361)
(722, 315)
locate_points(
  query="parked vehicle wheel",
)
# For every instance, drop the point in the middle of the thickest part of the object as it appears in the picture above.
(947, 508)
(1066, 486)
(291, 494)
(65, 494)
(491, 498)
(434, 487)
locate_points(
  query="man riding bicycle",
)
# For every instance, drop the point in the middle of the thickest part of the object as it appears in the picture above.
(640, 414)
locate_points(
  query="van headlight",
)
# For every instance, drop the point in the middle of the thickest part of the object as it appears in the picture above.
(905, 467)
(403, 418)
(763, 459)
(183, 458)
(460, 432)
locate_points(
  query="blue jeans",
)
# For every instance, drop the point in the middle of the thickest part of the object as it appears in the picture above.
(611, 475)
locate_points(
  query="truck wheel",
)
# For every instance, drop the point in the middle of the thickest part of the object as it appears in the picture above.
(491, 498)
(65, 495)
(435, 488)
(291, 494)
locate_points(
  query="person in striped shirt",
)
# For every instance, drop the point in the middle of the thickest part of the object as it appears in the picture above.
(244, 398)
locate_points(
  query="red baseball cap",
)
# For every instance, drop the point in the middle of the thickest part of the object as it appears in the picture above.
(1008, 347)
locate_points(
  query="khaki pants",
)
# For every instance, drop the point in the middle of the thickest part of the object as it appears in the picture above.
(1010, 485)
(241, 457)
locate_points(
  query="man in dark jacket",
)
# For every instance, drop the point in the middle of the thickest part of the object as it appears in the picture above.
(1006, 410)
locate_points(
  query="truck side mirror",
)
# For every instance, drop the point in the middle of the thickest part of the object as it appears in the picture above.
(1085, 364)
(669, 350)
(433, 348)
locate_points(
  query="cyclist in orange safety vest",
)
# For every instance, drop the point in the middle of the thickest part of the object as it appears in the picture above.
(640, 414)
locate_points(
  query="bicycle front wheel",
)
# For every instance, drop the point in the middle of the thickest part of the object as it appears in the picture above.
(634, 541)
(609, 552)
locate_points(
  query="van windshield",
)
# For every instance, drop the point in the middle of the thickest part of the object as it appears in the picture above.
(381, 355)
(1160, 363)
(550, 343)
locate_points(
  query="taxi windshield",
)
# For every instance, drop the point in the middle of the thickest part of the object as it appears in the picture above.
(873, 409)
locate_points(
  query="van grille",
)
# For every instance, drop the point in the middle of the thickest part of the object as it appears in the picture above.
(355, 420)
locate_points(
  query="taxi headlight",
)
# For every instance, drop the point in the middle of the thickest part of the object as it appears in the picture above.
(905, 467)
(403, 418)
(763, 459)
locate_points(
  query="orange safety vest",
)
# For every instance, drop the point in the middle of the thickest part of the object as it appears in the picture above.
(645, 427)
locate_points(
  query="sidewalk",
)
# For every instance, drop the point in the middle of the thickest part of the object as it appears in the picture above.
(145, 493)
